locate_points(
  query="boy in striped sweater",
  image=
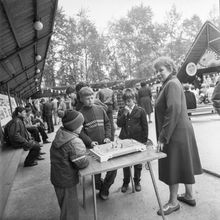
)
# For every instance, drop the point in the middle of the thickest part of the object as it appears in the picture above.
(96, 130)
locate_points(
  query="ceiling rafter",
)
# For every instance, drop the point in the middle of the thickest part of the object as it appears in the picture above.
(26, 88)
(25, 47)
(13, 29)
(26, 69)
(22, 83)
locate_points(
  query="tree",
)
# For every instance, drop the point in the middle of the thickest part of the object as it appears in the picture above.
(55, 43)
(134, 40)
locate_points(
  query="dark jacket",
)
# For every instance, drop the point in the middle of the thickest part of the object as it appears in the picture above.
(67, 156)
(190, 100)
(47, 109)
(18, 136)
(96, 126)
(133, 125)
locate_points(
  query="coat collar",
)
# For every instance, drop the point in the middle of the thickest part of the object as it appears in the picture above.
(134, 110)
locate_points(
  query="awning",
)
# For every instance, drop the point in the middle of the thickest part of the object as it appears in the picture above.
(208, 38)
(23, 49)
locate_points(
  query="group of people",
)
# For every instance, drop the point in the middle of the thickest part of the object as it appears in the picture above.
(88, 122)
(89, 126)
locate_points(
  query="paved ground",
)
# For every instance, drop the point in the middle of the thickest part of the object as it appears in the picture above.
(33, 198)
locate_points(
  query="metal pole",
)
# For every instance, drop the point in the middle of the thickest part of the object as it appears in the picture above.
(9, 99)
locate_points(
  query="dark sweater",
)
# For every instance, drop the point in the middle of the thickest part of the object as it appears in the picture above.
(96, 126)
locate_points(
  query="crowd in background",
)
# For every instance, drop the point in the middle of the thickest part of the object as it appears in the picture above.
(47, 108)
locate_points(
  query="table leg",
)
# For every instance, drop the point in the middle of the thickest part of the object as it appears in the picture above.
(84, 193)
(155, 188)
(132, 180)
(94, 197)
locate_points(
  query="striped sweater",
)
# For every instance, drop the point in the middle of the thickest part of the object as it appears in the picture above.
(96, 126)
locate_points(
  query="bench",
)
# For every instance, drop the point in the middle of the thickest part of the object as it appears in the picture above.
(9, 162)
(202, 109)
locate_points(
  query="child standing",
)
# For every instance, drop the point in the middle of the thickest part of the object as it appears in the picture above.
(133, 123)
(96, 130)
(68, 155)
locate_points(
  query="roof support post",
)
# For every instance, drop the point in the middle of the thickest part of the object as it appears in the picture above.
(9, 98)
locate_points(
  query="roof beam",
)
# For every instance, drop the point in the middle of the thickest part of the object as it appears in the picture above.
(26, 88)
(22, 83)
(26, 69)
(24, 48)
(29, 91)
(11, 23)
(13, 29)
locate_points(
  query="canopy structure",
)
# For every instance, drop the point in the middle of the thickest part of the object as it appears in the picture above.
(204, 51)
(26, 27)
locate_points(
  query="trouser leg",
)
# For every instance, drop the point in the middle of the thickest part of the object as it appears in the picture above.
(51, 123)
(127, 175)
(34, 133)
(98, 181)
(110, 116)
(109, 179)
(137, 173)
(43, 133)
(68, 202)
(32, 155)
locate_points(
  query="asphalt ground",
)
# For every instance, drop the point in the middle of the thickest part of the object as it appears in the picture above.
(33, 198)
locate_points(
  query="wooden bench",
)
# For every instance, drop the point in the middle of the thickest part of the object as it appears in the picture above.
(202, 109)
(9, 162)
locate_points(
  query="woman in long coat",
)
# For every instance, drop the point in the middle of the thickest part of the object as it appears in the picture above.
(144, 99)
(175, 137)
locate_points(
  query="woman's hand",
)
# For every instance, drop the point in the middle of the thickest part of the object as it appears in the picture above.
(160, 146)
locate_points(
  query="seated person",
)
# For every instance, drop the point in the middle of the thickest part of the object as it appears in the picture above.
(34, 129)
(17, 136)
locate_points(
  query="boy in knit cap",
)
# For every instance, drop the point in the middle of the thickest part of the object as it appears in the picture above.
(96, 130)
(68, 155)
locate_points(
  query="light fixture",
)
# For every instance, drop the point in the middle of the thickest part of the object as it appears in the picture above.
(38, 57)
(37, 70)
(38, 25)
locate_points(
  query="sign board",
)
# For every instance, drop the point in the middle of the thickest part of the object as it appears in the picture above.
(5, 111)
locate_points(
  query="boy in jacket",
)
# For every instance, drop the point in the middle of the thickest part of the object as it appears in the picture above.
(67, 156)
(96, 130)
(133, 123)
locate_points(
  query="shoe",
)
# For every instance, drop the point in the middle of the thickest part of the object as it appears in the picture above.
(98, 184)
(103, 196)
(168, 209)
(103, 193)
(42, 153)
(30, 164)
(137, 187)
(124, 187)
(39, 158)
(46, 142)
(190, 202)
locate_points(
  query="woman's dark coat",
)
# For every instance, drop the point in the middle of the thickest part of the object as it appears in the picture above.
(144, 99)
(175, 130)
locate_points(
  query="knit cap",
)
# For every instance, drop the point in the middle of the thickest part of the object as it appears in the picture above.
(72, 120)
(85, 91)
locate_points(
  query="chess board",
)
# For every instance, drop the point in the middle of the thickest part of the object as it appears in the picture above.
(104, 152)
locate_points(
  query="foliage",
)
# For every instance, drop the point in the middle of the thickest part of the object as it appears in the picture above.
(78, 52)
